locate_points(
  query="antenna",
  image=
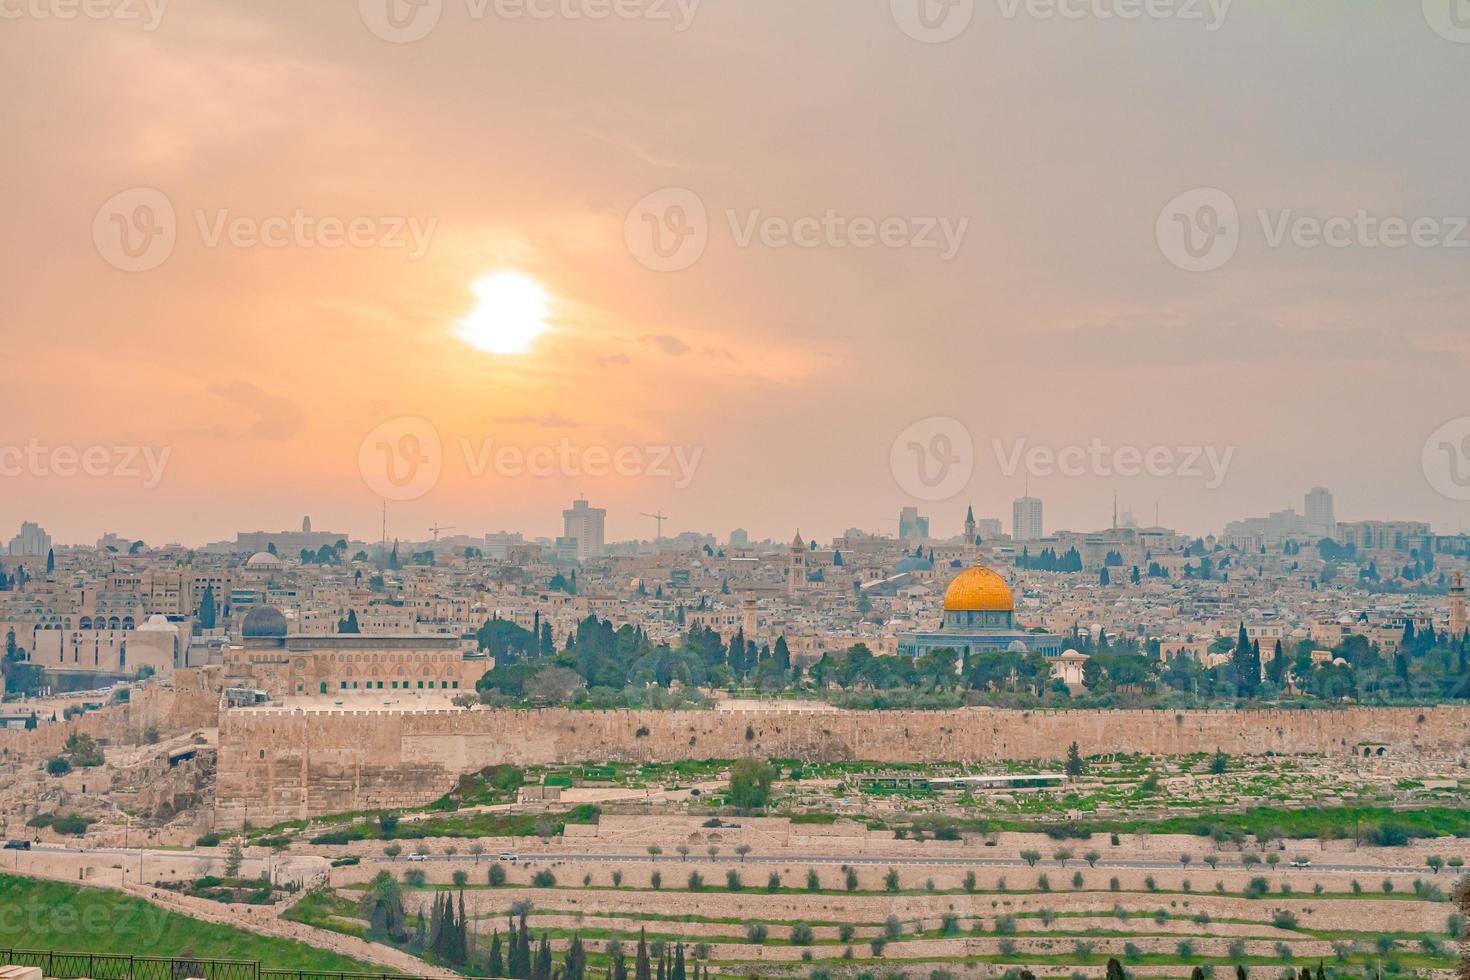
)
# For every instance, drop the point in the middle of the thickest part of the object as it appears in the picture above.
(384, 540)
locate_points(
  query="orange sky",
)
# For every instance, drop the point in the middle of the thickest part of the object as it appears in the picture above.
(787, 371)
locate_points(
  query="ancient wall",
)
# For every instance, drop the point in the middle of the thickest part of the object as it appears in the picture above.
(278, 764)
(188, 700)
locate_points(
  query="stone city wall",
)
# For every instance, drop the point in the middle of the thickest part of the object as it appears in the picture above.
(188, 700)
(278, 764)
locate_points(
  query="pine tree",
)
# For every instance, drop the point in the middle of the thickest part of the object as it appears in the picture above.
(679, 966)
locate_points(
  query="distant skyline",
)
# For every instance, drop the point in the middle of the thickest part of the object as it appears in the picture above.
(774, 237)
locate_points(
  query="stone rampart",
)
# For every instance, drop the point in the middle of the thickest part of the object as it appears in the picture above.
(279, 764)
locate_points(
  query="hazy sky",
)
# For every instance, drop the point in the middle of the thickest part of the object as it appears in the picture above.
(995, 243)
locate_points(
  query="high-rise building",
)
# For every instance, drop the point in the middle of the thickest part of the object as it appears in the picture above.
(912, 526)
(31, 542)
(989, 527)
(586, 525)
(1320, 520)
(1026, 519)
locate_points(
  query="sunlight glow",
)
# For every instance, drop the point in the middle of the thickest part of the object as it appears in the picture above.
(509, 314)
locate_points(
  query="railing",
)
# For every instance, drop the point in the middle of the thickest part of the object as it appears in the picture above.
(114, 966)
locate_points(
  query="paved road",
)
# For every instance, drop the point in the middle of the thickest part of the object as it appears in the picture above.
(822, 859)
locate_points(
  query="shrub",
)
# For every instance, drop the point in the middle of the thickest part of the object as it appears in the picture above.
(656, 881)
(892, 928)
(1005, 925)
(544, 879)
(951, 925)
(497, 875)
(756, 932)
(890, 880)
(773, 883)
(461, 878)
(1043, 883)
(813, 883)
(801, 934)
(208, 840)
(413, 878)
(732, 880)
(1185, 949)
(877, 945)
(845, 932)
(58, 766)
(1283, 919)
(970, 881)
(1114, 885)
(696, 881)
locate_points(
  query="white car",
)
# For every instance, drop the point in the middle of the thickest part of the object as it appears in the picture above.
(509, 856)
(418, 857)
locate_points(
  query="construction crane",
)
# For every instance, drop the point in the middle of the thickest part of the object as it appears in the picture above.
(660, 517)
(436, 529)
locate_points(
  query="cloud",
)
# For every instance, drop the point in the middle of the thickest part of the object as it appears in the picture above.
(613, 359)
(667, 343)
(544, 421)
(277, 418)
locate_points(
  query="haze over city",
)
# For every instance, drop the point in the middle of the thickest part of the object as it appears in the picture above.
(1026, 289)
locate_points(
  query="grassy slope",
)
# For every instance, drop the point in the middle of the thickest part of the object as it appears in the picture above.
(67, 918)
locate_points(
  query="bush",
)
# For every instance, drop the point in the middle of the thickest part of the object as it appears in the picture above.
(208, 840)
(732, 880)
(497, 875)
(461, 878)
(58, 766)
(656, 881)
(801, 934)
(544, 879)
(845, 932)
(1283, 919)
(773, 883)
(696, 881)
(414, 878)
(756, 932)
(892, 928)
(890, 880)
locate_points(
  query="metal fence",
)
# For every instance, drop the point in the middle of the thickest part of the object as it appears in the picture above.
(115, 966)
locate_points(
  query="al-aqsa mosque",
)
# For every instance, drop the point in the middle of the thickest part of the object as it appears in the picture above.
(979, 617)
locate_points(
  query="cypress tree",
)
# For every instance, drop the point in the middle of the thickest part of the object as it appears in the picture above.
(497, 962)
(642, 969)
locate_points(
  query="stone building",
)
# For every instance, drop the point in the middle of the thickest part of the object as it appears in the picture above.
(268, 658)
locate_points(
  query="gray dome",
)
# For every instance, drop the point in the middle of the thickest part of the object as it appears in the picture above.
(264, 621)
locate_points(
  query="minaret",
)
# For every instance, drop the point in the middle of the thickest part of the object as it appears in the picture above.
(970, 525)
(796, 566)
(750, 619)
(1457, 609)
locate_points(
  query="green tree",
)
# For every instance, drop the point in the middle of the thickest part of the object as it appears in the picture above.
(750, 784)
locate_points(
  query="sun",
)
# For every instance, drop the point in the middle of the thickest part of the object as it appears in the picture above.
(510, 313)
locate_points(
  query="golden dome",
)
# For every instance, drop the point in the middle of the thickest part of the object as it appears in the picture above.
(978, 589)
